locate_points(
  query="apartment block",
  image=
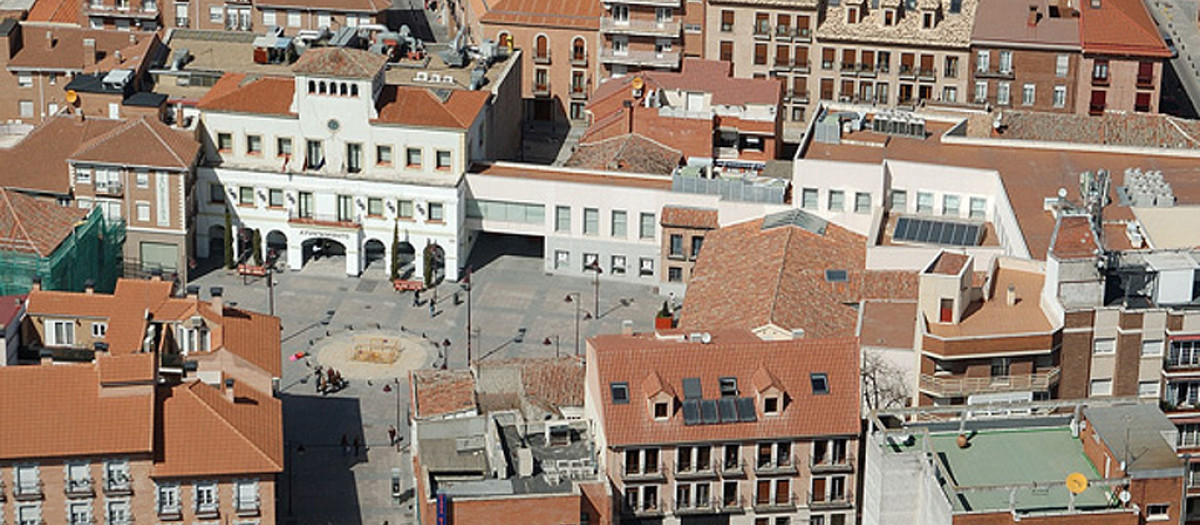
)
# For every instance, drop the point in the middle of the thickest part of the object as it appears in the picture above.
(1026, 57)
(724, 427)
(1119, 73)
(645, 35)
(683, 237)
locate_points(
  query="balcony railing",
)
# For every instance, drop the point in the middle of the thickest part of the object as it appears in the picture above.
(832, 501)
(734, 469)
(667, 28)
(765, 503)
(714, 505)
(994, 74)
(927, 74)
(247, 507)
(78, 488)
(170, 512)
(112, 188)
(774, 466)
(325, 219)
(25, 491)
(207, 510)
(1100, 81)
(121, 484)
(641, 58)
(907, 71)
(804, 33)
(962, 386)
(762, 30)
(541, 58)
(830, 464)
(707, 470)
(580, 90)
(579, 59)
(644, 474)
(541, 89)
(784, 32)
(181, 22)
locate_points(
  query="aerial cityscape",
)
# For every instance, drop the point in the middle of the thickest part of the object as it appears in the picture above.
(599, 262)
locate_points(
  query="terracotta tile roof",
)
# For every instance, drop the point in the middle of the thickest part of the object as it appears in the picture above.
(888, 324)
(631, 153)
(62, 413)
(949, 263)
(125, 309)
(240, 93)
(141, 142)
(128, 368)
(709, 76)
(995, 316)
(39, 162)
(687, 217)
(631, 359)
(253, 336)
(1120, 27)
(146, 47)
(10, 306)
(33, 226)
(244, 436)
(570, 14)
(1073, 238)
(1005, 22)
(1115, 129)
(551, 383)
(530, 171)
(441, 392)
(413, 106)
(64, 49)
(341, 6)
(58, 11)
(782, 281)
(339, 62)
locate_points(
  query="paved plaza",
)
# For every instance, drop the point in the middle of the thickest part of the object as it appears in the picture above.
(510, 293)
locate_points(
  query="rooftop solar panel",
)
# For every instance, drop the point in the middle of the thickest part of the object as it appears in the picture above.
(691, 388)
(691, 412)
(708, 412)
(930, 231)
(727, 409)
(745, 410)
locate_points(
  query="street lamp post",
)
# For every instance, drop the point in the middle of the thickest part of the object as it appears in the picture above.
(595, 267)
(546, 342)
(575, 298)
(388, 388)
(466, 285)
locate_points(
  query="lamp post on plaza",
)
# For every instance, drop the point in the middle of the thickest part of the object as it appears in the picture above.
(595, 267)
(574, 298)
(546, 342)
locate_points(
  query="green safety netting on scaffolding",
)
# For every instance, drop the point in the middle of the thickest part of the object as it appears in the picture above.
(91, 251)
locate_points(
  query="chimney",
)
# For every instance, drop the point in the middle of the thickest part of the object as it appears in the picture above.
(89, 287)
(229, 389)
(47, 356)
(628, 105)
(37, 283)
(156, 274)
(49, 41)
(89, 51)
(1033, 16)
(193, 291)
(217, 302)
(1010, 296)
(627, 327)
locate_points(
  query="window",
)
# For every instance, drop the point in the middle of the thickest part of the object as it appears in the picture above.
(246, 493)
(660, 410)
(727, 51)
(254, 144)
(304, 208)
(562, 219)
(760, 54)
(404, 209)
(246, 196)
(1006, 61)
(275, 198)
(1104, 346)
(646, 267)
(1028, 92)
(697, 243)
(1061, 64)
(168, 499)
(950, 205)
(1157, 511)
(224, 141)
(383, 155)
(676, 245)
(1100, 71)
(1152, 348)
(293, 18)
(353, 157)
(927, 20)
(143, 211)
(1003, 96)
(375, 207)
(771, 405)
(562, 259)
(924, 202)
(142, 179)
(117, 512)
(24, 80)
(978, 207)
(1060, 96)
(283, 147)
(899, 200)
(269, 17)
(99, 329)
(981, 91)
(726, 21)
(618, 264)
(674, 274)
(83, 174)
(1101, 387)
(951, 68)
(862, 202)
(619, 226)
(316, 154)
(620, 393)
(60, 333)
(216, 193)
(820, 383)
(80, 513)
(646, 231)
(983, 61)
(443, 160)
(206, 497)
(413, 157)
(837, 200)
(436, 212)
(1141, 103)
(591, 221)
(950, 94)
(809, 198)
(1148, 389)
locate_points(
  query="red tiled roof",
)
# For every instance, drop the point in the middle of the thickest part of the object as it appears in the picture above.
(685, 217)
(62, 413)
(631, 153)
(254, 337)
(781, 280)
(630, 359)
(413, 106)
(569, 14)
(10, 306)
(339, 62)
(33, 226)
(128, 368)
(64, 49)
(440, 392)
(1120, 27)
(708, 76)
(1074, 238)
(243, 436)
(39, 162)
(240, 93)
(58, 11)
(141, 142)
(549, 383)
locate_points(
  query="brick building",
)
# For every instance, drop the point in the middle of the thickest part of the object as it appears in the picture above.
(1123, 56)
(682, 236)
(765, 430)
(126, 446)
(1026, 56)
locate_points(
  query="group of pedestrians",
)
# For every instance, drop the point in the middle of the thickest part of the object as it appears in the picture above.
(329, 380)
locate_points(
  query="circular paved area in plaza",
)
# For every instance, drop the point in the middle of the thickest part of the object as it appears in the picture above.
(373, 354)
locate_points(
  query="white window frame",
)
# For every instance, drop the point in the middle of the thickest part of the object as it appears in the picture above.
(99, 329)
(143, 211)
(51, 332)
(1028, 94)
(167, 498)
(1062, 65)
(1003, 93)
(1153, 347)
(205, 496)
(1060, 96)
(1104, 346)
(1149, 389)
(1100, 387)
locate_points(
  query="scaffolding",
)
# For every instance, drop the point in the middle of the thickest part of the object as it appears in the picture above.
(91, 252)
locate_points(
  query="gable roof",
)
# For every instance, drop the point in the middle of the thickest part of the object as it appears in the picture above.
(64, 50)
(243, 436)
(415, 106)
(1120, 27)
(38, 162)
(567, 14)
(29, 225)
(339, 62)
(254, 337)
(780, 263)
(141, 142)
(60, 11)
(241, 93)
(628, 359)
(441, 392)
(630, 152)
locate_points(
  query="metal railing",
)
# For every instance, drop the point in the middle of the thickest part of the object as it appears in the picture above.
(845, 499)
(121, 484)
(696, 471)
(609, 24)
(775, 465)
(335, 219)
(831, 464)
(640, 58)
(764, 502)
(644, 473)
(78, 487)
(959, 386)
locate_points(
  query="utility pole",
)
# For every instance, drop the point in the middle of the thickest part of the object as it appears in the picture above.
(466, 285)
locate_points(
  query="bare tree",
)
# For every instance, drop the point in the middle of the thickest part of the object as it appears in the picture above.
(884, 384)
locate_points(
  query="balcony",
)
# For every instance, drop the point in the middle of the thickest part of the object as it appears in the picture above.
(247, 507)
(734, 469)
(833, 501)
(995, 74)
(784, 33)
(730, 506)
(797, 96)
(170, 512)
(1145, 82)
(927, 74)
(803, 34)
(542, 88)
(580, 91)
(907, 72)
(765, 503)
(1099, 81)
(958, 386)
(650, 508)
(762, 31)
(801, 66)
(664, 59)
(847, 68)
(828, 464)
(120, 484)
(543, 58)
(669, 28)
(111, 188)
(708, 470)
(79, 488)
(28, 491)
(579, 60)
(182, 23)
(866, 70)
(632, 474)
(330, 220)
(785, 465)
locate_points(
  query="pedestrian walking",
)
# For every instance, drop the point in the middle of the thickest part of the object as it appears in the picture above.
(416, 298)
(345, 445)
(432, 306)
(392, 435)
(358, 445)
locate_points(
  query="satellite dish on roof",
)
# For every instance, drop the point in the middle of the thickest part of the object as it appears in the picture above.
(637, 83)
(1076, 483)
(72, 96)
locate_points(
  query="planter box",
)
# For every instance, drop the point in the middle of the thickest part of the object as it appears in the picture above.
(664, 323)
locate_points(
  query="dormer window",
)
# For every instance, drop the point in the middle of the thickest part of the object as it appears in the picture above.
(889, 17)
(620, 393)
(852, 14)
(729, 387)
(661, 410)
(771, 406)
(820, 383)
(928, 20)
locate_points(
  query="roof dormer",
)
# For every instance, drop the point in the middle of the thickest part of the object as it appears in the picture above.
(660, 398)
(769, 392)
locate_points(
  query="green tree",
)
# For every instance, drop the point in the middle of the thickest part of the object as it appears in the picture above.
(228, 239)
(428, 259)
(396, 250)
(256, 247)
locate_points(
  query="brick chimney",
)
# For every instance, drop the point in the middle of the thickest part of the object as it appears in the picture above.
(49, 40)
(37, 283)
(218, 304)
(229, 382)
(89, 51)
(1033, 16)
